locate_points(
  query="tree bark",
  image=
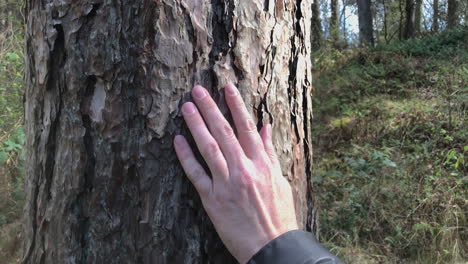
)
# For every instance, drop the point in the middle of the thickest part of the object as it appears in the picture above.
(316, 25)
(385, 26)
(334, 23)
(418, 18)
(409, 22)
(400, 24)
(452, 14)
(435, 16)
(105, 82)
(366, 31)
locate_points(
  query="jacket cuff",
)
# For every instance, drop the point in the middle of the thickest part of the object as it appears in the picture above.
(294, 247)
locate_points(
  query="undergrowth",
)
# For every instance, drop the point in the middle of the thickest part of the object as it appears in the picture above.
(12, 135)
(390, 140)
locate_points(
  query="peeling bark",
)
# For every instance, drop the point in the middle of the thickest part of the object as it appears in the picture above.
(106, 80)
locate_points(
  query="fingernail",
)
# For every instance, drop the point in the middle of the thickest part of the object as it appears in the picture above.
(188, 108)
(199, 92)
(231, 89)
(178, 140)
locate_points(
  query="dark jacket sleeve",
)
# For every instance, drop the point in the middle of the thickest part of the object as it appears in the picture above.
(294, 247)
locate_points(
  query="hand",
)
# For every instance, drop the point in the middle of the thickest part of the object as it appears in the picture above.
(248, 200)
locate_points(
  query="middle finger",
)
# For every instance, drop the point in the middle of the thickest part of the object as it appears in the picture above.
(218, 125)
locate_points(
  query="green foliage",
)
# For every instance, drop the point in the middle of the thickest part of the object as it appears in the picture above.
(390, 142)
(12, 134)
(448, 43)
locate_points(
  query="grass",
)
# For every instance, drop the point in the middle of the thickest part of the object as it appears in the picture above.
(390, 141)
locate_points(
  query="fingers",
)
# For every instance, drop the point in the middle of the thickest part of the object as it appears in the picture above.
(205, 142)
(266, 135)
(218, 125)
(247, 130)
(192, 168)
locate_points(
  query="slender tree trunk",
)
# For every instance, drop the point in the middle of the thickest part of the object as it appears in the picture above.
(417, 18)
(343, 22)
(105, 83)
(435, 16)
(316, 25)
(452, 14)
(401, 25)
(334, 23)
(385, 26)
(366, 31)
(409, 23)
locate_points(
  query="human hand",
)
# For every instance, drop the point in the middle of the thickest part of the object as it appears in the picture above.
(248, 200)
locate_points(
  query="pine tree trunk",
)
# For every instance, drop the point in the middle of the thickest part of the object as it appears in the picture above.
(105, 81)
(418, 17)
(334, 23)
(435, 16)
(409, 22)
(452, 14)
(316, 25)
(366, 32)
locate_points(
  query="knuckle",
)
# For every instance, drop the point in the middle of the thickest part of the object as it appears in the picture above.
(209, 104)
(225, 199)
(226, 131)
(196, 174)
(238, 104)
(211, 150)
(220, 196)
(249, 125)
(245, 176)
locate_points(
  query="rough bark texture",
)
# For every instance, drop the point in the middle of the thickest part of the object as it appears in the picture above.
(366, 28)
(106, 80)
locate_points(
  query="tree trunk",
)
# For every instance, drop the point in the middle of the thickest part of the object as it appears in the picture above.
(316, 25)
(105, 82)
(343, 23)
(418, 18)
(400, 24)
(334, 23)
(385, 26)
(435, 16)
(409, 22)
(452, 16)
(366, 32)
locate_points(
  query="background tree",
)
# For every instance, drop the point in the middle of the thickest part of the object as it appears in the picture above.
(105, 80)
(366, 32)
(452, 13)
(334, 21)
(409, 19)
(417, 17)
(316, 25)
(435, 16)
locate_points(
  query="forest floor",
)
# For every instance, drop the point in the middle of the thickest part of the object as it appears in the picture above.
(390, 144)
